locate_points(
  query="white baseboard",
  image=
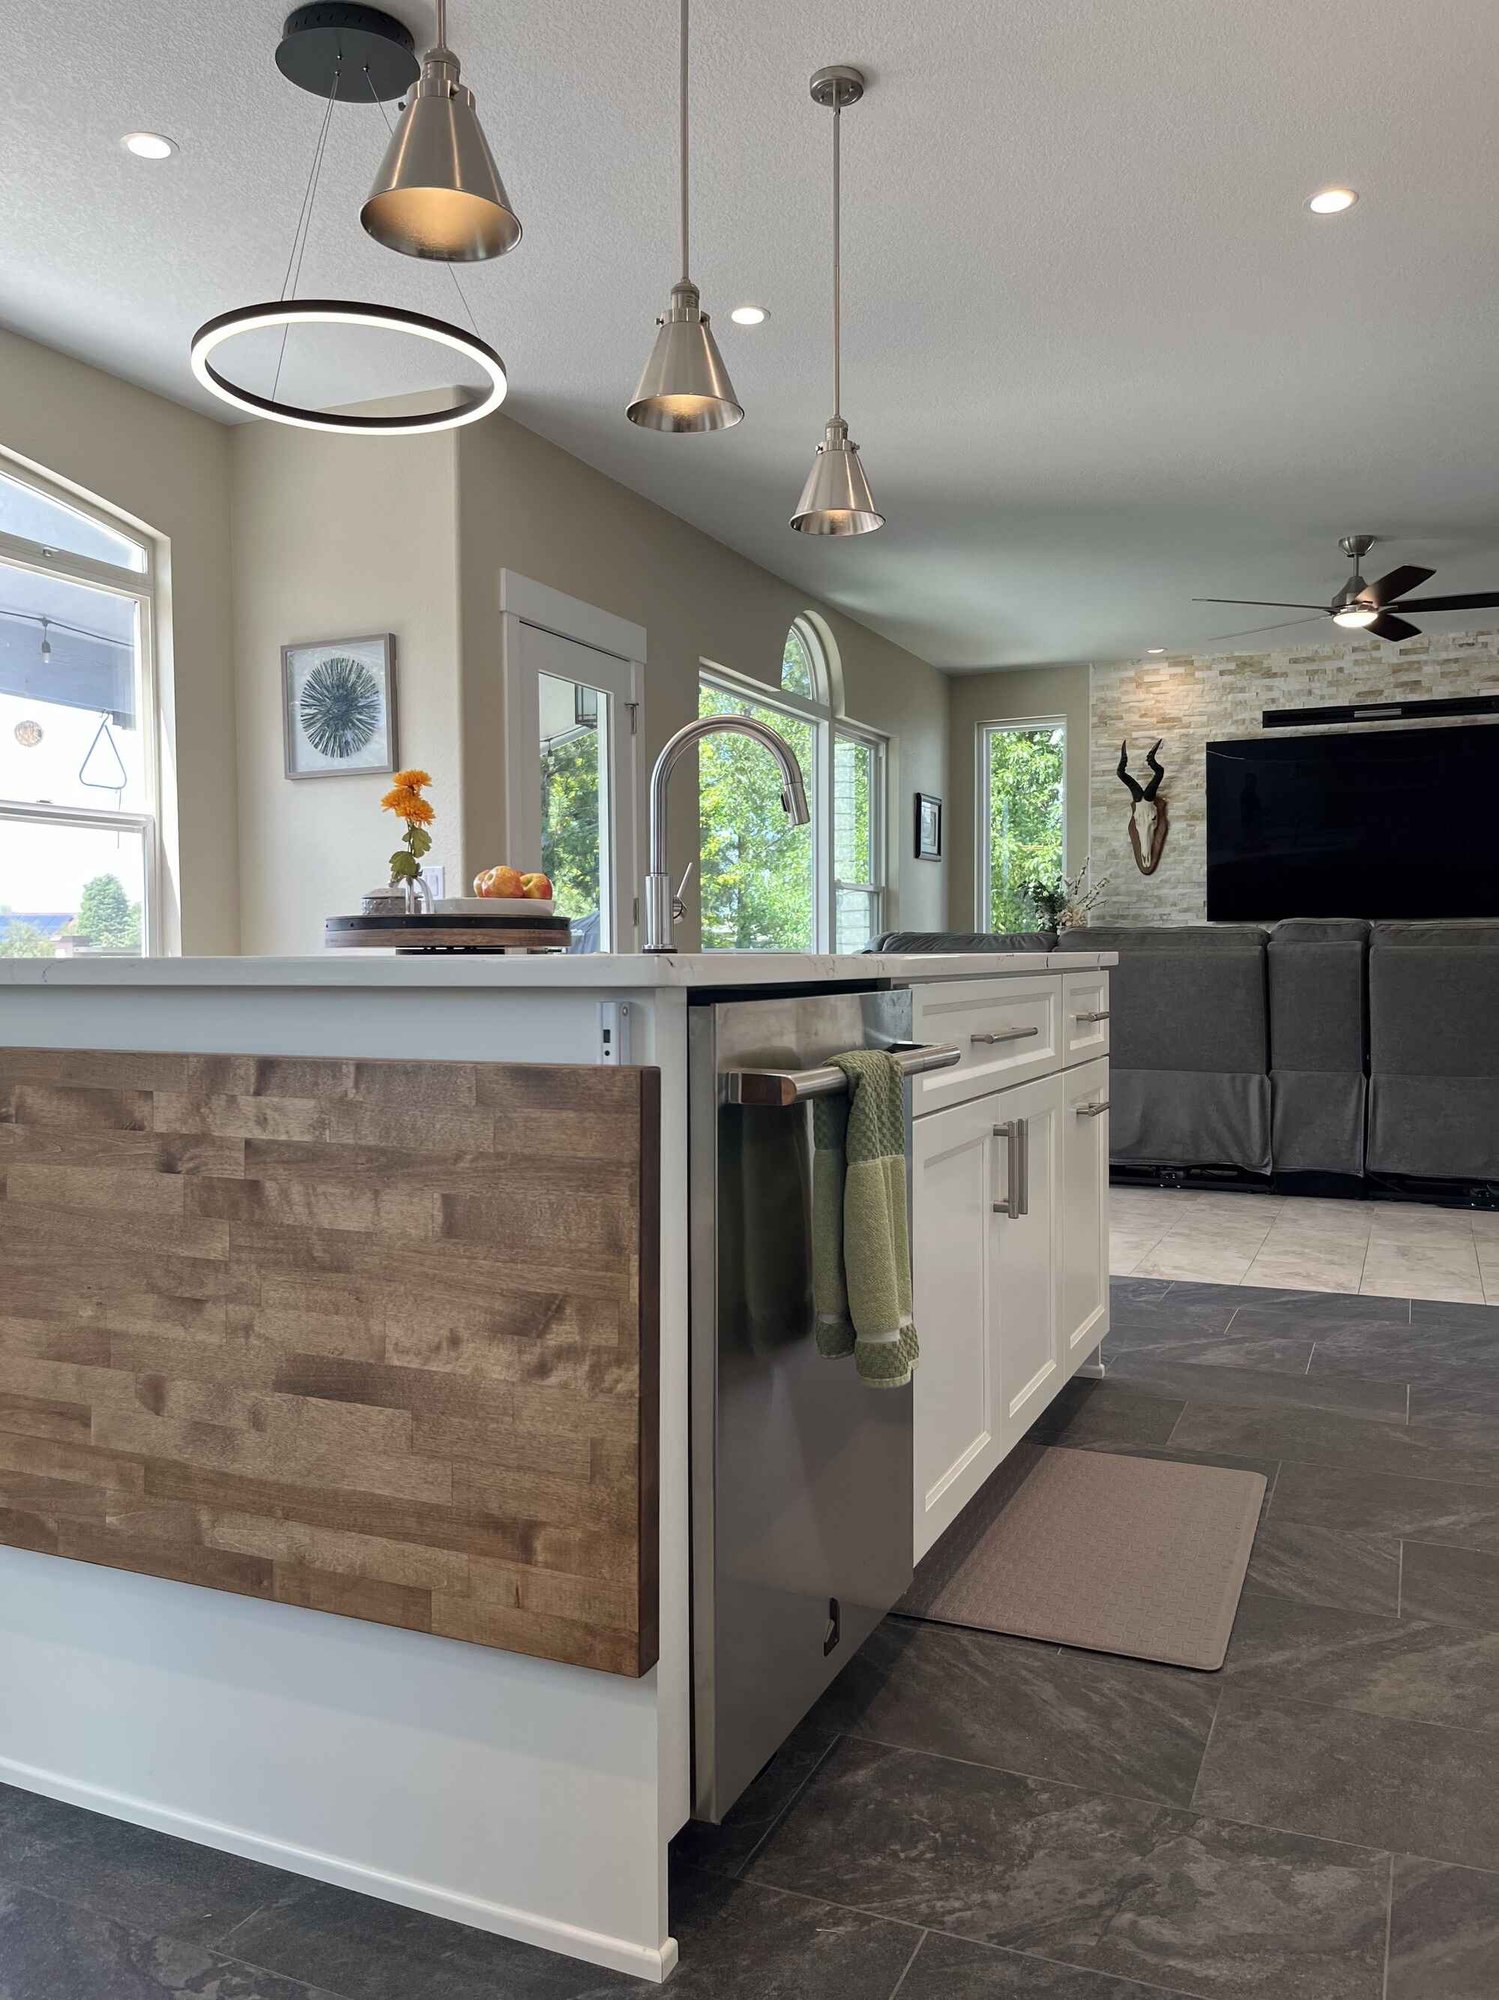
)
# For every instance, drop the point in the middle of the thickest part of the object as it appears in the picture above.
(549, 1933)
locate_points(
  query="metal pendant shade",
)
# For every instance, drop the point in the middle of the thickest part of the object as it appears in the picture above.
(684, 385)
(836, 499)
(438, 192)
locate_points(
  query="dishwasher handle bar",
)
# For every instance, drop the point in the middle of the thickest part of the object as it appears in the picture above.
(780, 1087)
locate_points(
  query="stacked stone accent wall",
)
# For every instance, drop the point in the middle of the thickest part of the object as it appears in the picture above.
(1193, 700)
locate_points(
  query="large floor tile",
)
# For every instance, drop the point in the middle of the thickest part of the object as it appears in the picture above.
(1329, 1437)
(1293, 1310)
(1099, 1412)
(1314, 1565)
(147, 1880)
(741, 1941)
(1377, 1504)
(1427, 1268)
(1368, 1779)
(1142, 1892)
(1196, 1378)
(1084, 1718)
(1285, 1356)
(370, 1950)
(1377, 1664)
(1438, 1581)
(51, 1950)
(1483, 1319)
(1220, 1257)
(1444, 1933)
(949, 1968)
(1124, 1292)
(1330, 1267)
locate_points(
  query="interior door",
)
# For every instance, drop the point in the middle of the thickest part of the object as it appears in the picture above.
(1025, 1123)
(952, 1193)
(1085, 1220)
(572, 717)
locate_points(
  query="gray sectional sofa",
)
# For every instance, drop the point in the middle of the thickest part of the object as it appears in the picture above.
(1327, 1047)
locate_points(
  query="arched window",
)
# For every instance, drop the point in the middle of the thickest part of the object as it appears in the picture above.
(78, 749)
(766, 885)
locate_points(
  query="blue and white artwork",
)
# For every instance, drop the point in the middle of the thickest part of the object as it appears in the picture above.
(340, 707)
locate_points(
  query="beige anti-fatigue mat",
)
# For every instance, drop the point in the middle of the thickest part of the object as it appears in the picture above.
(1087, 1548)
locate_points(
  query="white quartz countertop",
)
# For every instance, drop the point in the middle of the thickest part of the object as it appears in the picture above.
(617, 972)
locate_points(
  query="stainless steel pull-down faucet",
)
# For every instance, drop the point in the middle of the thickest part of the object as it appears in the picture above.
(661, 909)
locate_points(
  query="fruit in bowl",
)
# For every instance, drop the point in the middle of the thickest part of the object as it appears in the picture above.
(537, 886)
(499, 881)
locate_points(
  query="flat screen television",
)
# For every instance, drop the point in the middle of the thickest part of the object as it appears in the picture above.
(1388, 823)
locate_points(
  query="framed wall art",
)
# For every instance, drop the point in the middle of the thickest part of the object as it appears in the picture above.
(339, 706)
(928, 827)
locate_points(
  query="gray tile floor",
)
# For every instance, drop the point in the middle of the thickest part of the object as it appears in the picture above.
(966, 1817)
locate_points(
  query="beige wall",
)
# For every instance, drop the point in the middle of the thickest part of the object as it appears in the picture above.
(1189, 701)
(168, 468)
(1010, 695)
(528, 507)
(337, 537)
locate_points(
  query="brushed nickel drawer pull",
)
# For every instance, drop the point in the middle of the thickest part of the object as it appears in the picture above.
(1093, 1110)
(1015, 1134)
(1006, 1035)
(1094, 1014)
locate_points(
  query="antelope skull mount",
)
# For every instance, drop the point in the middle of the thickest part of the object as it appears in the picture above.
(1148, 856)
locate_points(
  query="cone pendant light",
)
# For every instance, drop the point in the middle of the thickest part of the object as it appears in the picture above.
(685, 386)
(438, 192)
(836, 499)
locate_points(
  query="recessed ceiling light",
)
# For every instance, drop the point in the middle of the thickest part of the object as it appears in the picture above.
(1155, 649)
(1332, 201)
(749, 315)
(149, 145)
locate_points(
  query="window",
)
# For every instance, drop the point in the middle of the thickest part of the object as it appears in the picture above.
(1021, 823)
(78, 766)
(768, 885)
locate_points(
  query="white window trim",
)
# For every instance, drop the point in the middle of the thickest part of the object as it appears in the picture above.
(1009, 724)
(139, 585)
(828, 722)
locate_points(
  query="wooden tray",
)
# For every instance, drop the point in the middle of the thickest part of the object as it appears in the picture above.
(440, 932)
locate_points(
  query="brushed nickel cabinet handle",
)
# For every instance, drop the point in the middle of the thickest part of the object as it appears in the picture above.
(1093, 1014)
(1006, 1035)
(1093, 1110)
(1011, 1205)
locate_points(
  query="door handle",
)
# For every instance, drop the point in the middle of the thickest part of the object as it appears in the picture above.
(1006, 1035)
(1093, 1014)
(1093, 1110)
(1016, 1133)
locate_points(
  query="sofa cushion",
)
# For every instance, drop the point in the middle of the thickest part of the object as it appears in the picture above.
(1185, 1000)
(946, 941)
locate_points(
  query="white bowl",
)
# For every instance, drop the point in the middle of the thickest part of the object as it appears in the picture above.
(495, 906)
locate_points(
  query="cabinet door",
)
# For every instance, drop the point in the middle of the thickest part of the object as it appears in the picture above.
(952, 1238)
(1026, 1124)
(1084, 1266)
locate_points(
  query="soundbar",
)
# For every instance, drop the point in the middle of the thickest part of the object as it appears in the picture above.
(1380, 711)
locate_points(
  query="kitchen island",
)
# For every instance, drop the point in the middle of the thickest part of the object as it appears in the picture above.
(345, 1349)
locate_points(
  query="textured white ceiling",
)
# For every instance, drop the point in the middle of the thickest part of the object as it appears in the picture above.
(1098, 355)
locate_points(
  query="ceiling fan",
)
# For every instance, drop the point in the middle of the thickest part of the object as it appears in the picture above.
(1367, 607)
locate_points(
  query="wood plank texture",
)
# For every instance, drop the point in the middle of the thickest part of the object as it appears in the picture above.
(373, 1338)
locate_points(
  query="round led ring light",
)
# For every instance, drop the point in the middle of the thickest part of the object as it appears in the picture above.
(344, 312)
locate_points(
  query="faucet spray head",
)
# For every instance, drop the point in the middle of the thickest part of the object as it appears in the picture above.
(794, 803)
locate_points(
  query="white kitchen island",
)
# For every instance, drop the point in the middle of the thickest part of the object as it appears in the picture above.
(523, 1795)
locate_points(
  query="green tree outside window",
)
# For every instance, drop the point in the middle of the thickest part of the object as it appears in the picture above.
(1025, 800)
(755, 866)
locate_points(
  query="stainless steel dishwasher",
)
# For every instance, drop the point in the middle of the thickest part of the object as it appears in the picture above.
(801, 1475)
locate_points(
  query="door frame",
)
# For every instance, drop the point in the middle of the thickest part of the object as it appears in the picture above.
(525, 602)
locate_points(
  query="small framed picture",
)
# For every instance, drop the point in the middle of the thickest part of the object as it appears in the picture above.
(339, 706)
(928, 827)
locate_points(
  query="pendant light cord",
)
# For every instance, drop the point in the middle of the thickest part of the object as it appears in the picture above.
(837, 270)
(304, 223)
(682, 139)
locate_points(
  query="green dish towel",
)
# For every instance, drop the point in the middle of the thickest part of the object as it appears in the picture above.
(861, 1252)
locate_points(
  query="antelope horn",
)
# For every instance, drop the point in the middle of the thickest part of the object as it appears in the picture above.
(1153, 761)
(1136, 791)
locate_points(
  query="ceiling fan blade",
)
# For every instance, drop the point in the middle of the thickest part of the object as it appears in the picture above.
(1474, 600)
(1269, 603)
(1399, 583)
(1284, 625)
(1388, 626)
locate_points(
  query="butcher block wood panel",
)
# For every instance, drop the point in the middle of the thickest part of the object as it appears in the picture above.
(376, 1338)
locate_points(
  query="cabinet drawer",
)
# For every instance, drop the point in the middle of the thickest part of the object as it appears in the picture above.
(1008, 1031)
(1085, 1015)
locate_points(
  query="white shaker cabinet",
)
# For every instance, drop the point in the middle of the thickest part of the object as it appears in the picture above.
(1010, 1265)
